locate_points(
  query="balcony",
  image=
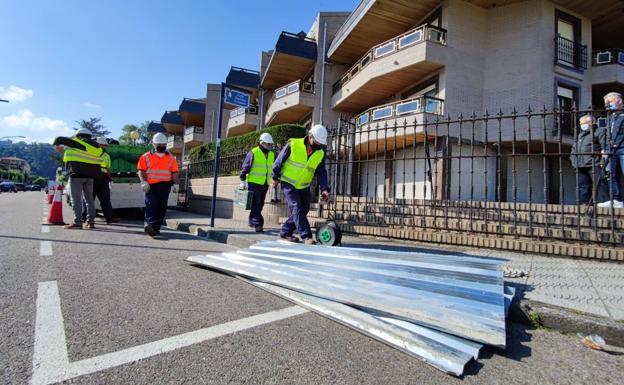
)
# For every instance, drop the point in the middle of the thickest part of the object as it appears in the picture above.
(608, 67)
(293, 58)
(194, 136)
(570, 53)
(395, 125)
(155, 127)
(242, 120)
(244, 78)
(291, 103)
(174, 144)
(172, 120)
(390, 67)
(192, 111)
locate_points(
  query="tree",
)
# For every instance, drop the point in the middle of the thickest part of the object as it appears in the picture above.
(145, 137)
(93, 125)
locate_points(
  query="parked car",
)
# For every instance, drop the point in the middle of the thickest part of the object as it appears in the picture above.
(8, 187)
(20, 187)
(35, 187)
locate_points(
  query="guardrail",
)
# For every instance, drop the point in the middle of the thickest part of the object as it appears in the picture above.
(608, 56)
(293, 87)
(405, 107)
(415, 36)
(570, 52)
(242, 110)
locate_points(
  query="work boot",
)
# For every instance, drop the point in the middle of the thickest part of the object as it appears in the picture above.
(259, 229)
(89, 226)
(309, 241)
(72, 226)
(289, 238)
(149, 230)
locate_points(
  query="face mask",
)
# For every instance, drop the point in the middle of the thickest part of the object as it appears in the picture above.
(161, 149)
(317, 146)
(611, 106)
(585, 127)
(266, 147)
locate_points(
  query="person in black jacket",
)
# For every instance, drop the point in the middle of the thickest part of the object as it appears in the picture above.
(586, 159)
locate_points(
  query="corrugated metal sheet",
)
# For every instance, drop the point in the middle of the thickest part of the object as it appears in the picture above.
(428, 305)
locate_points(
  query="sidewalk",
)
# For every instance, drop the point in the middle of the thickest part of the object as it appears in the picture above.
(570, 295)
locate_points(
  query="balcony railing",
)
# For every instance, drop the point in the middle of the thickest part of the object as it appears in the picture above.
(415, 36)
(608, 56)
(174, 140)
(193, 130)
(570, 53)
(242, 110)
(293, 87)
(422, 104)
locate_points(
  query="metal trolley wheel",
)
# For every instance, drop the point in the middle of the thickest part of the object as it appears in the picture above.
(329, 234)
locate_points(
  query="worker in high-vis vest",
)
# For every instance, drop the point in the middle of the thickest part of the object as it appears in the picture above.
(83, 160)
(256, 176)
(297, 164)
(101, 184)
(158, 171)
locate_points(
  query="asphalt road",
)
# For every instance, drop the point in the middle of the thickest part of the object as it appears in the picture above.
(119, 289)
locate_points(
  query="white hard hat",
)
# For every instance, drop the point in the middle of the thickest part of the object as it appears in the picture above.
(266, 138)
(84, 131)
(319, 132)
(159, 138)
(101, 140)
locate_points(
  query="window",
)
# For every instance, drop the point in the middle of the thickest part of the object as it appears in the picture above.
(567, 100)
(362, 119)
(568, 48)
(408, 107)
(293, 88)
(279, 93)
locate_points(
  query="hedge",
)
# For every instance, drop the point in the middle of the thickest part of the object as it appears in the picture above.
(239, 144)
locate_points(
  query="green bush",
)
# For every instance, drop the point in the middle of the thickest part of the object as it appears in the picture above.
(124, 158)
(239, 144)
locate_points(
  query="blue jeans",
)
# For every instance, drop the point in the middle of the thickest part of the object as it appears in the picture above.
(617, 158)
(156, 204)
(299, 205)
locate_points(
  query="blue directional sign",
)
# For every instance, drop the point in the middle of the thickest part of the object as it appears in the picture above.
(237, 97)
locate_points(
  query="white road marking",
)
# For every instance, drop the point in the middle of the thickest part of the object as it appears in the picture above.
(51, 363)
(50, 352)
(45, 249)
(45, 229)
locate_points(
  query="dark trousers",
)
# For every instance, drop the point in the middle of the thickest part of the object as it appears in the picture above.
(101, 190)
(156, 204)
(259, 194)
(299, 205)
(586, 180)
(616, 167)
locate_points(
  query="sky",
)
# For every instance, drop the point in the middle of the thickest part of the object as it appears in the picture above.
(129, 61)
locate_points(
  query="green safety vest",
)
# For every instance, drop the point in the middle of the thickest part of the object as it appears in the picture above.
(261, 167)
(106, 162)
(92, 155)
(298, 170)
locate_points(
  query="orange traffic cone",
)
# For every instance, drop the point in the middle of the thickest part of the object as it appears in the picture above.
(55, 215)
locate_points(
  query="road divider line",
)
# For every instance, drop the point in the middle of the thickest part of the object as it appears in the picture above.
(51, 363)
(45, 229)
(45, 249)
(50, 358)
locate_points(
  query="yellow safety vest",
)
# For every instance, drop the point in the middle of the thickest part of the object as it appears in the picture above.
(298, 170)
(106, 162)
(261, 167)
(91, 154)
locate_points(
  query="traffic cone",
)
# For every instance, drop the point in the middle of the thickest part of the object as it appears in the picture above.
(55, 215)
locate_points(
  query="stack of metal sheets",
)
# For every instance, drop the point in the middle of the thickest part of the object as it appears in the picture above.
(436, 307)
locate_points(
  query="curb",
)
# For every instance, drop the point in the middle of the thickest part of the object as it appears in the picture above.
(522, 311)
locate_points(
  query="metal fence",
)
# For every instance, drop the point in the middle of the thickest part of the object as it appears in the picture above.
(497, 174)
(229, 164)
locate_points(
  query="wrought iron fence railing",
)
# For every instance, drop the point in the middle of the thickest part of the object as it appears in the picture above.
(507, 175)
